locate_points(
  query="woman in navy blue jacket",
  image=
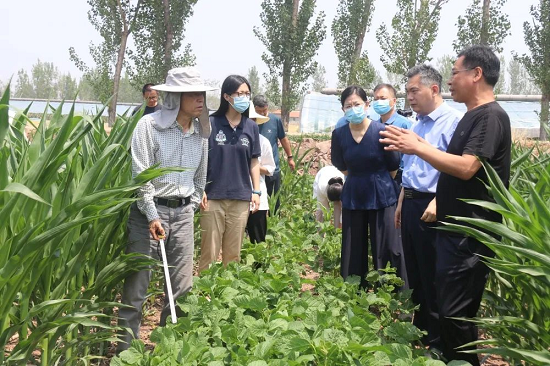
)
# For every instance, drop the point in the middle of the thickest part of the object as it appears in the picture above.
(369, 195)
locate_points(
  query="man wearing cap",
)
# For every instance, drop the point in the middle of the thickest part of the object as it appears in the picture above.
(175, 136)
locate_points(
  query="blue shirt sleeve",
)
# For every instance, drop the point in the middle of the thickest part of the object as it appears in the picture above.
(280, 129)
(336, 152)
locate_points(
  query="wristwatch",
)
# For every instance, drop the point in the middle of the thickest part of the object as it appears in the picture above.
(259, 193)
(289, 157)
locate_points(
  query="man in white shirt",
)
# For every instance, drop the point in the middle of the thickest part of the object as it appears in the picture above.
(327, 187)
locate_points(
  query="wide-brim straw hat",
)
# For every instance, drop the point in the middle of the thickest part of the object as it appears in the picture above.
(258, 117)
(181, 80)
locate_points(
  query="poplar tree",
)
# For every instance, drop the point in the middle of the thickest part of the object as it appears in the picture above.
(254, 80)
(483, 23)
(115, 20)
(348, 29)
(292, 36)
(319, 80)
(158, 40)
(415, 27)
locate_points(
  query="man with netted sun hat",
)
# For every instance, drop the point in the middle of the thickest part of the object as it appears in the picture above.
(175, 136)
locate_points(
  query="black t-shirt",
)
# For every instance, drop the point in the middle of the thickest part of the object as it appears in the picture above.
(148, 110)
(484, 132)
(229, 156)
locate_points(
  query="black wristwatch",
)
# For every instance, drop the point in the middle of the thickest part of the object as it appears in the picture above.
(259, 193)
(289, 157)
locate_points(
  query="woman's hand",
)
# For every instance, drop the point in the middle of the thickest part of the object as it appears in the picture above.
(255, 200)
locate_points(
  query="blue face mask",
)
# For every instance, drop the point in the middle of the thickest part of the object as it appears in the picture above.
(241, 104)
(356, 114)
(381, 106)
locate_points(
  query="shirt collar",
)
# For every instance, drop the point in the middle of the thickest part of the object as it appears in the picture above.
(192, 128)
(390, 120)
(436, 113)
(225, 122)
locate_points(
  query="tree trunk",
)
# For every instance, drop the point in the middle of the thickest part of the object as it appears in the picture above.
(485, 18)
(358, 47)
(169, 38)
(118, 67)
(544, 114)
(287, 70)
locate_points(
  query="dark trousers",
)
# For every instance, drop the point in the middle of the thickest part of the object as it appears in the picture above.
(460, 280)
(257, 226)
(273, 185)
(384, 239)
(419, 248)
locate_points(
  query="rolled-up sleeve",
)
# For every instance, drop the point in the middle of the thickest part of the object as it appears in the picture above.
(143, 157)
(199, 180)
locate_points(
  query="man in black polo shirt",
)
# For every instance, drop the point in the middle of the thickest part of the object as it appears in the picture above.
(482, 134)
(150, 99)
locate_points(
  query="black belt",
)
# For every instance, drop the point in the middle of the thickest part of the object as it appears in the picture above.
(412, 194)
(173, 202)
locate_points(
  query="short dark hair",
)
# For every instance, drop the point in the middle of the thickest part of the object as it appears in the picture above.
(483, 57)
(428, 75)
(260, 101)
(353, 89)
(146, 88)
(334, 189)
(386, 86)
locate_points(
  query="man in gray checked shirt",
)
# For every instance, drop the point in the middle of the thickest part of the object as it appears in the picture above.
(175, 136)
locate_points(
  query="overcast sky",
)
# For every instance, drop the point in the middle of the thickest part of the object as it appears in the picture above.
(220, 33)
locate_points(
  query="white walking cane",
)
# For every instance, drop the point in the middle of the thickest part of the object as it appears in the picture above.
(167, 279)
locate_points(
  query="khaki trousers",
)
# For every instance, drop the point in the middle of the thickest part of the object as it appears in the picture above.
(222, 227)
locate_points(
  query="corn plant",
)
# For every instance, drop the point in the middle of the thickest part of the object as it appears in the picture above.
(64, 197)
(517, 304)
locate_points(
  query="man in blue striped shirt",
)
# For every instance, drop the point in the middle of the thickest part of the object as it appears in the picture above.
(416, 210)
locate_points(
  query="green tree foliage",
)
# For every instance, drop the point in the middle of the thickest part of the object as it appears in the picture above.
(273, 92)
(158, 39)
(415, 27)
(348, 29)
(254, 80)
(501, 87)
(24, 87)
(292, 37)
(472, 28)
(396, 80)
(45, 82)
(519, 79)
(67, 87)
(444, 65)
(319, 80)
(364, 72)
(115, 20)
(127, 93)
(44, 79)
(537, 63)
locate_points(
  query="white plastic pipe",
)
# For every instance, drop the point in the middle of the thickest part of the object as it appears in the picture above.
(168, 283)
